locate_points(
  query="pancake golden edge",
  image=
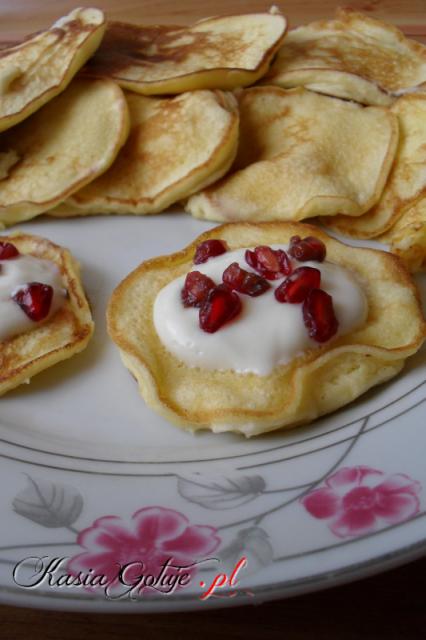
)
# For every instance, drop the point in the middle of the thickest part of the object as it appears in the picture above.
(38, 69)
(353, 57)
(407, 179)
(176, 147)
(407, 238)
(215, 53)
(320, 381)
(300, 155)
(64, 334)
(62, 147)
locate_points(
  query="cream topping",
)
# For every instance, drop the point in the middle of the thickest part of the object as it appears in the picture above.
(16, 273)
(266, 333)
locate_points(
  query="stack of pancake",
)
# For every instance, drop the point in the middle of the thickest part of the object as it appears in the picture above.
(101, 117)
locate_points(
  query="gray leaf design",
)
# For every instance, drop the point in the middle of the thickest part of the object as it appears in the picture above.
(220, 492)
(254, 544)
(49, 504)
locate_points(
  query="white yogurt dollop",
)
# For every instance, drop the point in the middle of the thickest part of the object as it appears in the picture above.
(16, 273)
(266, 333)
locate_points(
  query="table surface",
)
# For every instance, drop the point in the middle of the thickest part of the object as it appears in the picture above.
(19, 17)
(389, 606)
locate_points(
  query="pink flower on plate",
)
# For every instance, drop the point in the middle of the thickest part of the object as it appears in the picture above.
(360, 499)
(153, 535)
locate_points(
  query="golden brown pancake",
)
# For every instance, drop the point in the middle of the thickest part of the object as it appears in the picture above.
(63, 335)
(353, 57)
(407, 238)
(176, 146)
(407, 179)
(65, 145)
(217, 53)
(38, 69)
(302, 154)
(315, 383)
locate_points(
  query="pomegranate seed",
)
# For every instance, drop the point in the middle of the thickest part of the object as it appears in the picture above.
(296, 287)
(267, 258)
(309, 248)
(209, 249)
(244, 281)
(196, 288)
(270, 263)
(319, 316)
(8, 251)
(251, 259)
(221, 305)
(35, 300)
(285, 263)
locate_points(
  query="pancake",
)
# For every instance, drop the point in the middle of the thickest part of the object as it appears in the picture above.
(315, 383)
(65, 145)
(63, 335)
(301, 155)
(217, 53)
(407, 238)
(176, 146)
(38, 69)
(353, 57)
(407, 180)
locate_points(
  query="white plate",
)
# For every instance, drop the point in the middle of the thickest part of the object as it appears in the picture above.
(78, 444)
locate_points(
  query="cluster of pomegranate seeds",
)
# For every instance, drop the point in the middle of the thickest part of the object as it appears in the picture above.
(209, 249)
(243, 281)
(8, 251)
(221, 305)
(196, 289)
(270, 263)
(35, 300)
(318, 315)
(296, 286)
(310, 248)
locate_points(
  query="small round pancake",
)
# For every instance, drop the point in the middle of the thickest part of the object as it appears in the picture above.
(217, 53)
(65, 145)
(353, 57)
(407, 179)
(63, 335)
(315, 383)
(407, 238)
(38, 69)
(301, 155)
(176, 146)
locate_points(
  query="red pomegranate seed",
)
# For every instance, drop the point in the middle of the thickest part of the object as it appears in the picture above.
(309, 248)
(267, 259)
(8, 251)
(319, 316)
(35, 300)
(251, 259)
(296, 287)
(221, 305)
(285, 263)
(244, 281)
(270, 263)
(196, 288)
(209, 249)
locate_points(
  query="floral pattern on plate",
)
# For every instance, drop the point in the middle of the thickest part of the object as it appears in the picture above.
(357, 500)
(149, 539)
